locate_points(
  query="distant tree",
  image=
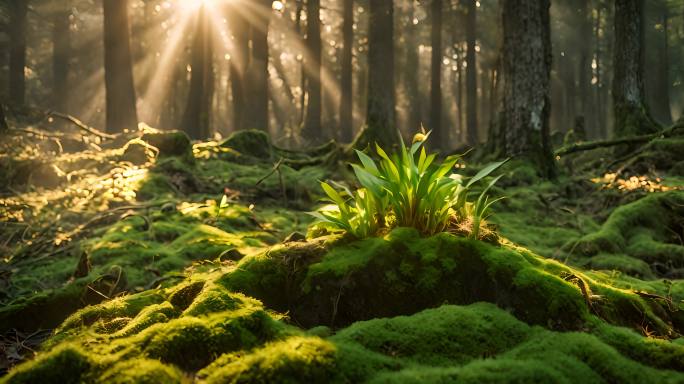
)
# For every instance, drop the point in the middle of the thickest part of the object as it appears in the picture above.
(312, 123)
(471, 72)
(120, 92)
(238, 63)
(17, 64)
(411, 79)
(380, 116)
(583, 12)
(3, 120)
(659, 100)
(526, 60)
(631, 113)
(439, 137)
(346, 110)
(61, 53)
(197, 113)
(256, 84)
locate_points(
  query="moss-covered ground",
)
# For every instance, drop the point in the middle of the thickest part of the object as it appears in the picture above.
(153, 259)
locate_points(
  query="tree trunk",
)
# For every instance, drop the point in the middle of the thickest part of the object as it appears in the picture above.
(439, 138)
(311, 131)
(17, 34)
(584, 72)
(197, 113)
(631, 114)
(238, 65)
(471, 73)
(61, 52)
(3, 120)
(526, 74)
(120, 92)
(660, 98)
(257, 72)
(412, 68)
(463, 130)
(380, 117)
(302, 71)
(601, 120)
(346, 106)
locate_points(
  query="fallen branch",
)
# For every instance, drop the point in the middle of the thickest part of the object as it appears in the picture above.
(586, 146)
(42, 133)
(273, 170)
(78, 123)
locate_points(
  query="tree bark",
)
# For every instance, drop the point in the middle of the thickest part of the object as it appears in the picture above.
(471, 73)
(346, 106)
(584, 71)
(631, 114)
(439, 137)
(61, 52)
(601, 120)
(311, 131)
(660, 98)
(197, 115)
(17, 32)
(257, 72)
(526, 74)
(380, 117)
(120, 91)
(302, 71)
(412, 68)
(238, 65)
(3, 121)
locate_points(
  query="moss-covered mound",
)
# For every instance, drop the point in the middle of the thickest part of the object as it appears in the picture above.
(199, 329)
(133, 216)
(648, 231)
(146, 277)
(543, 321)
(403, 273)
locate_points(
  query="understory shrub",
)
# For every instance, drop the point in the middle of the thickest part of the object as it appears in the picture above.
(408, 189)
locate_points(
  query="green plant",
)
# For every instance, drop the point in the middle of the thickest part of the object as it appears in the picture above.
(407, 189)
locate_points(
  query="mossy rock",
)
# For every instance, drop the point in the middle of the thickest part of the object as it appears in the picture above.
(645, 229)
(251, 142)
(170, 143)
(403, 273)
(138, 152)
(63, 365)
(242, 342)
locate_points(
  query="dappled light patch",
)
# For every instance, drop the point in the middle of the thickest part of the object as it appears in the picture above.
(644, 183)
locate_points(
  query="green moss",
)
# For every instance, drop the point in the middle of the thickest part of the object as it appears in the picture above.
(183, 342)
(152, 314)
(651, 351)
(63, 365)
(623, 263)
(250, 142)
(170, 143)
(640, 229)
(185, 294)
(212, 299)
(293, 360)
(127, 306)
(141, 371)
(403, 273)
(430, 337)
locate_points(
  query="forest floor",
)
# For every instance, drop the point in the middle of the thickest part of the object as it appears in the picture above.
(148, 258)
